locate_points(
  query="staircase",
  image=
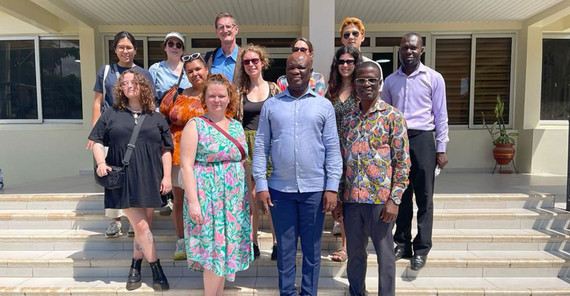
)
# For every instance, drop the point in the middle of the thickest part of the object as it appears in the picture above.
(484, 244)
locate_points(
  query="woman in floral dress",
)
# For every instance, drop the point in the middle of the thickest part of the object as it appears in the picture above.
(216, 210)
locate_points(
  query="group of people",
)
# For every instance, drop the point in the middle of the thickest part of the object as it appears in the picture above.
(228, 144)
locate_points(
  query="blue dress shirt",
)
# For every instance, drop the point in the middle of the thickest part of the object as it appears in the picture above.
(301, 137)
(226, 65)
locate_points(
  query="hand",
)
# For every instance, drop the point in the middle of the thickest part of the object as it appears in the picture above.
(329, 201)
(102, 169)
(165, 185)
(89, 145)
(264, 200)
(389, 212)
(195, 213)
(337, 212)
(441, 159)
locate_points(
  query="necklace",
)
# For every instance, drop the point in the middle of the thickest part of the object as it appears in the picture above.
(136, 114)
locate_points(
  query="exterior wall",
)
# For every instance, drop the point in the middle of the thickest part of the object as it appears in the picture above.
(32, 152)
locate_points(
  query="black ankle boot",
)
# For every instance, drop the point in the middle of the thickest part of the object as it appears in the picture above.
(134, 281)
(159, 281)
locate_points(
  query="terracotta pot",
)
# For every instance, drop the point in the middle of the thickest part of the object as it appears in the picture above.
(503, 153)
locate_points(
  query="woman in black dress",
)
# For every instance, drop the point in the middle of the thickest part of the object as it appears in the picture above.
(148, 172)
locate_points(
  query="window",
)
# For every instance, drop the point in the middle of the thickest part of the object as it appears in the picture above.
(18, 87)
(40, 79)
(476, 69)
(555, 97)
(61, 79)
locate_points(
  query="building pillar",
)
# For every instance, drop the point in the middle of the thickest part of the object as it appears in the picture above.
(321, 28)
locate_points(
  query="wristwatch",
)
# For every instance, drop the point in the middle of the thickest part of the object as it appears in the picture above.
(397, 201)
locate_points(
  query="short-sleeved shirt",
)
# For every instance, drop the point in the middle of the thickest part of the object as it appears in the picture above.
(164, 78)
(114, 71)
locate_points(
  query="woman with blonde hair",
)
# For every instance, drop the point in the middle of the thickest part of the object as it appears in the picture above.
(147, 174)
(253, 90)
(216, 207)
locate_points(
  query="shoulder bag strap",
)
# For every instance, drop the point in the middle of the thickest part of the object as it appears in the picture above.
(107, 67)
(232, 139)
(177, 92)
(131, 145)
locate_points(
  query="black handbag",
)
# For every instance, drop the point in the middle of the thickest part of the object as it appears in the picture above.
(116, 177)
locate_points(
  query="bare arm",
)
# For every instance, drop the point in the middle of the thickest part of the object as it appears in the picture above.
(166, 183)
(188, 146)
(99, 155)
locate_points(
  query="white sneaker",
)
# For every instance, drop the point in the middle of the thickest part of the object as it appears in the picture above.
(336, 228)
(167, 209)
(180, 253)
(131, 232)
(114, 229)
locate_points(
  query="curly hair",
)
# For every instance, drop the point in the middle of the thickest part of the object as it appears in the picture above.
(335, 80)
(243, 82)
(220, 79)
(146, 95)
(352, 21)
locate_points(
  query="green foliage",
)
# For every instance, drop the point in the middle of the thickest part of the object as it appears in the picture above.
(498, 130)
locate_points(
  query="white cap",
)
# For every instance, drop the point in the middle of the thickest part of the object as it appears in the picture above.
(174, 34)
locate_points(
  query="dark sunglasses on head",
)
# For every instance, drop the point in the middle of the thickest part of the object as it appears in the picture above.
(362, 81)
(346, 35)
(191, 57)
(348, 62)
(252, 61)
(301, 49)
(171, 44)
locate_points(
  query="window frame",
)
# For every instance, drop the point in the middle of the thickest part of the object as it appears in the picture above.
(512, 85)
(62, 121)
(36, 40)
(557, 123)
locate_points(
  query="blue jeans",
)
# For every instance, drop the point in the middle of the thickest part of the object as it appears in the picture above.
(298, 215)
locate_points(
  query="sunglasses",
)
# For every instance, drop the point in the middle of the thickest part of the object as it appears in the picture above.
(171, 44)
(348, 62)
(346, 35)
(301, 49)
(252, 61)
(191, 57)
(362, 81)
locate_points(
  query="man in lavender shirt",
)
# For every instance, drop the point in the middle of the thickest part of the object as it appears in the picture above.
(419, 92)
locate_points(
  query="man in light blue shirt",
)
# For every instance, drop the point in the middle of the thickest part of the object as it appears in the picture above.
(223, 59)
(297, 128)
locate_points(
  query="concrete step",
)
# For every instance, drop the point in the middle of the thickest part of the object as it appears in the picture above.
(443, 219)
(440, 264)
(444, 239)
(267, 286)
(94, 201)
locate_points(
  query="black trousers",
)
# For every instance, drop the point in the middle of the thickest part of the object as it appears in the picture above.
(423, 157)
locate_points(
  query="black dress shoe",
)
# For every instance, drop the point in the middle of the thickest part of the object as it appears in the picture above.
(418, 262)
(400, 253)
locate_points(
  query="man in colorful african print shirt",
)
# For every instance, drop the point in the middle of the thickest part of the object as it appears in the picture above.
(374, 144)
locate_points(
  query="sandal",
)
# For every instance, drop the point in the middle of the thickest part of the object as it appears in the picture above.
(339, 255)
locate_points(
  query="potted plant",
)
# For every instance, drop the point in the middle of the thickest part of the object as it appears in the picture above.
(503, 140)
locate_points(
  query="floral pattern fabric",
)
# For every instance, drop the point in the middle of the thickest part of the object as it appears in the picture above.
(183, 109)
(222, 243)
(376, 154)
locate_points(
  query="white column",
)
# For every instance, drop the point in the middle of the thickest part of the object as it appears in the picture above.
(321, 33)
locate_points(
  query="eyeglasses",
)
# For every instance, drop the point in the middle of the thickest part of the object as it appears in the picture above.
(346, 35)
(362, 81)
(127, 83)
(227, 27)
(191, 57)
(348, 62)
(171, 44)
(252, 61)
(301, 49)
(124, 48)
